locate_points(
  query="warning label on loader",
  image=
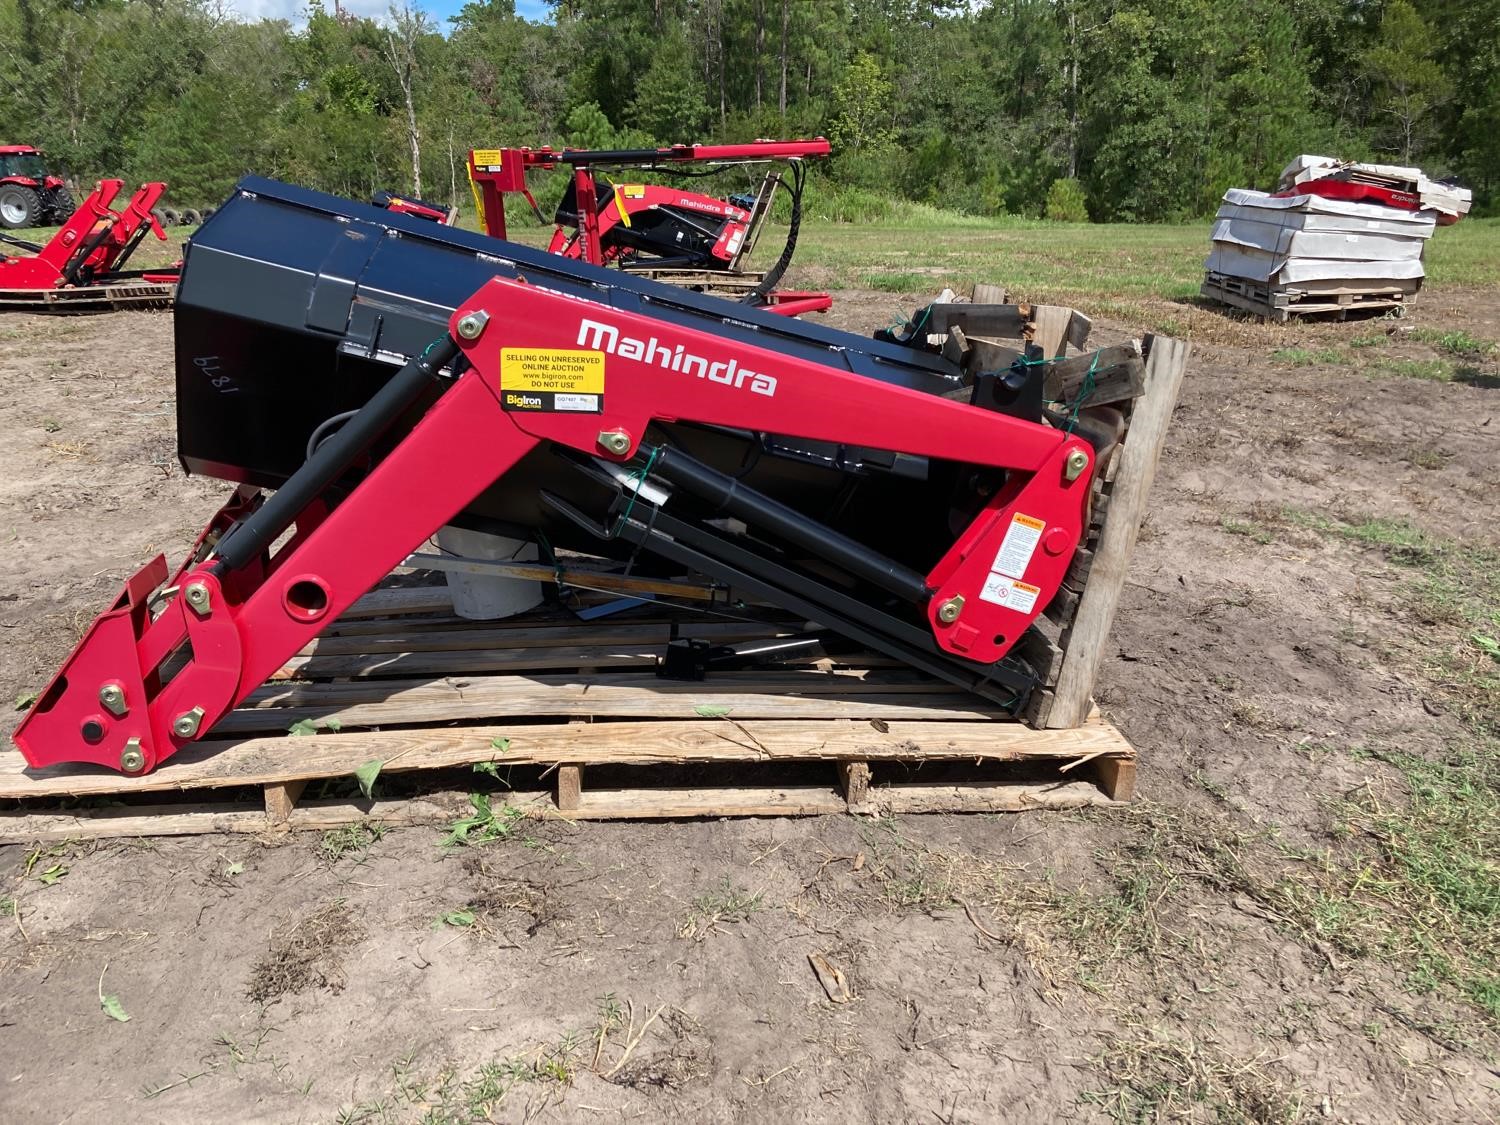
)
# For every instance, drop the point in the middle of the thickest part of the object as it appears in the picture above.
(1019, 596)
(552, 380)
(1019, 544)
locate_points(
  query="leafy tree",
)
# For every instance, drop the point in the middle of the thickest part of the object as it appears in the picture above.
(861, 107)
(1408, 81)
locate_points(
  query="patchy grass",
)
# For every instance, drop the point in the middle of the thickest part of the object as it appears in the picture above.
(308, 953)
(1459, 343)
(1249, 530)
(351, 839)
(1110, 268)
(1156, 1075)
(1305, 357)
(726, 903)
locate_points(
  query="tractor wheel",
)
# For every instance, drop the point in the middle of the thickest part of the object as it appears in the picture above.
(59, 206)
(19, 207)
(169, 217)
(191, 217)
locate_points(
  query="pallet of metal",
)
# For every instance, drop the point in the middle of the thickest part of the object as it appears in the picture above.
(1281, 303)
(577, 724)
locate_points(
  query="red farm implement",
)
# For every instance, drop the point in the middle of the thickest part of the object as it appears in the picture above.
(389, 376)
(80, 268)
(675, 235)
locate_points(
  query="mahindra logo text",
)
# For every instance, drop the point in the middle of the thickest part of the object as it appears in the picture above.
(607, 338)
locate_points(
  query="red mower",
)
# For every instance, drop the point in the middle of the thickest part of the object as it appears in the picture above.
(30, 196)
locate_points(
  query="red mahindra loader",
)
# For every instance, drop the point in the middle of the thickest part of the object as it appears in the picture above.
(81, 268)
(388, 376)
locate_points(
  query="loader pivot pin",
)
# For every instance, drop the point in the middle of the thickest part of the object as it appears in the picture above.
(948, 612)
(197, 598)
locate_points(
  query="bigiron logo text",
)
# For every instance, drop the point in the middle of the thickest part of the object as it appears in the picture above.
(607, 338)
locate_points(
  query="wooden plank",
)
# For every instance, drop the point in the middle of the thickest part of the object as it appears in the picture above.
(569, 788)
(985, 797)
(1008, 322)
(1249, 304)
(955, 347)
(985, 294)
(989, 354)
(264, 761)
(1116, 777)
(1138, 457)
(808, 695)
(1079, 327)
(1050, 331)
(1113, 374)
(281, 798)
(670, 804)
(392, 603)
(118, 823)
(854, 780)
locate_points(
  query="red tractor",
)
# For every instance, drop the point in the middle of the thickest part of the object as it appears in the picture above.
(30, 196)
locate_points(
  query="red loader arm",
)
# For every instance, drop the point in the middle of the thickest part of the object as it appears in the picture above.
(94, 242)
(529, 365)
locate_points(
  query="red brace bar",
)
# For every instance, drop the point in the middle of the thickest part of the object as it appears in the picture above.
(151, 676)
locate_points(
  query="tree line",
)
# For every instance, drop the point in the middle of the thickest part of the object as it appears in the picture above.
(1135, 110)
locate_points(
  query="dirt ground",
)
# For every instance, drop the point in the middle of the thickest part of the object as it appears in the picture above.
(1232, 947)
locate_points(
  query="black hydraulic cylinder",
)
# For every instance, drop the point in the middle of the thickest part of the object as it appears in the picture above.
(759, 510)
(331, 460)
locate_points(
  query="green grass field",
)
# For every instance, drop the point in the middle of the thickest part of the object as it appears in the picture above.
(1069, 262)
(1111, 268)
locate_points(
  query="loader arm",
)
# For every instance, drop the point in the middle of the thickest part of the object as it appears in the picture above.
(522, 366)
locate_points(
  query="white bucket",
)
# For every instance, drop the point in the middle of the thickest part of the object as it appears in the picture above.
(482, 597)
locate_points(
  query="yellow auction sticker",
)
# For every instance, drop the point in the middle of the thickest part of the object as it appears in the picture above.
(552, 380)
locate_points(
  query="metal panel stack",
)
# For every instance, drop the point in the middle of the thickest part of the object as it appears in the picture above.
(1334, 237)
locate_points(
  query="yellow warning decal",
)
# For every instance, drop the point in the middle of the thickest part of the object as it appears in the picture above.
(633, 191)
(486, 158)
(552, 380)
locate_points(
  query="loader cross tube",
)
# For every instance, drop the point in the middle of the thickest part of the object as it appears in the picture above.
(243, 622)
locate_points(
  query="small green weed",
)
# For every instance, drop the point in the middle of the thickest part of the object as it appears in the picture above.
(485, 825)
(351, 839)
(1249, 530)
(727, 903)
(1304, 357)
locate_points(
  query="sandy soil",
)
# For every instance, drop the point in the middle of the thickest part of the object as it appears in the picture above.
(1128, 964)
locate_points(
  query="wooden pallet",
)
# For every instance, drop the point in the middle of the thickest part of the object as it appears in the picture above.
(732, 283)
(561, 704)
(90, 298)
(1281, 303)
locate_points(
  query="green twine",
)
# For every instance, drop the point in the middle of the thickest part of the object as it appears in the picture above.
(1084, 391)
(640, 479)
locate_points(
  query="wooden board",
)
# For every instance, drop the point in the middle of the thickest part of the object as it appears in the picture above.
(1279, 304)
(90, 298)
(609, 742)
